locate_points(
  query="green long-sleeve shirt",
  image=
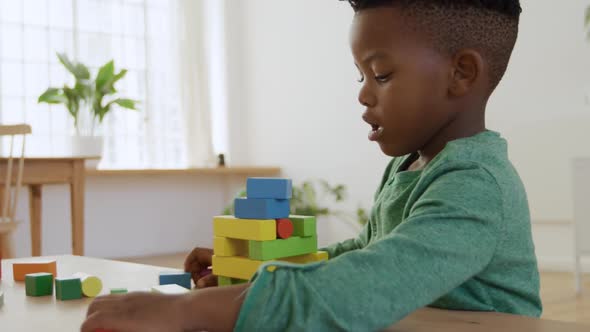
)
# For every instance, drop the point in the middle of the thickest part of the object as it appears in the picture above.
(455, 235)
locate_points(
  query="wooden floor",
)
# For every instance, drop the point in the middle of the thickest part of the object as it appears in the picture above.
(557, 290)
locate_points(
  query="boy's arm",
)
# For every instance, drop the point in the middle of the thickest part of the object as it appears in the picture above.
(210, 309)
(450, 236)
(359, 242)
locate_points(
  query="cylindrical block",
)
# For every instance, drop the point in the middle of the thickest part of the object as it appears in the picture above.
(284, 228)
(91, 285)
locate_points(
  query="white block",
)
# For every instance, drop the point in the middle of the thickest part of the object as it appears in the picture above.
(172, 289)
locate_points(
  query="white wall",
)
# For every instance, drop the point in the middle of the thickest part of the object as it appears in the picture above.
(298, 95)
(130, 216)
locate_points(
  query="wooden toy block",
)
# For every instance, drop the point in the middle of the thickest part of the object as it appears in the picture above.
(226, 281)
(303, 225)
(223, 246)
(234, 267)
(223, 281)
(284, 228)
(68, 288)
(20, 270)
(280, 248)
(39, 284)
(170, 289)
(309, 258)
(0, 265)
(245, 229)
(244, 268)
(118, 290)
(269, 188)
(179, 278)
(261, 208)
(91, 285)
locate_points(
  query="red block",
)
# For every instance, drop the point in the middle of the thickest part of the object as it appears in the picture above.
(284, 228)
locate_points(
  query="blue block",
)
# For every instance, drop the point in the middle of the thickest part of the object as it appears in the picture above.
(261, 208)
(269, 188)
(180, 278)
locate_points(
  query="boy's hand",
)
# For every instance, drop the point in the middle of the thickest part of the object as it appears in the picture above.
(141, 312)
(197, 263)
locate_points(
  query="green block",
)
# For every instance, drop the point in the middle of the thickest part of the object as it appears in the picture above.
(293, 246)
(303, 225)
(68, 289)
(118, 290)
(227, 281)
(39, 284)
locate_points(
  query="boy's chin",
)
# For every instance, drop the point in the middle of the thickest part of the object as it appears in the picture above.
(392, 150)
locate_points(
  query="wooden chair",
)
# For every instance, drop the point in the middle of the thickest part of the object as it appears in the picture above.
(9, 194)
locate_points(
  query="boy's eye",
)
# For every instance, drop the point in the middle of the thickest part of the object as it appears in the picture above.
(382, 78)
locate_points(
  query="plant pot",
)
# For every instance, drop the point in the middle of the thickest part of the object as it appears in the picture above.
(88, 146)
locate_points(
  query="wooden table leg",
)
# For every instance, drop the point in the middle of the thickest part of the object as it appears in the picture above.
(35, 214)
(77, 202)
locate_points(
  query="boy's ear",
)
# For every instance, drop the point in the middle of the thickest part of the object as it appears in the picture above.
(467, 70)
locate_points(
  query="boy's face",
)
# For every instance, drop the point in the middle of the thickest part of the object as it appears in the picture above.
(405, 81)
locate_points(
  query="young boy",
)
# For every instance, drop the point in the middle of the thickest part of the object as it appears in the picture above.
(450, 227)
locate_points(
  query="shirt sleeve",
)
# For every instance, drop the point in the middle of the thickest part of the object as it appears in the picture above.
(364, 237)
(359, 242)
(449, 236)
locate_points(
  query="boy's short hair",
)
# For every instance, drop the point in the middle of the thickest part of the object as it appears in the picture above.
(489, 26)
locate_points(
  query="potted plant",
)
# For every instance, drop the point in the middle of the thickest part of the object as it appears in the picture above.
(88, 102)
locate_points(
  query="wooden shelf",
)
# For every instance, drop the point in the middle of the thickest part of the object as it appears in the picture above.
(244, 171)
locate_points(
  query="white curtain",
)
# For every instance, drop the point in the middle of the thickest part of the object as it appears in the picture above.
(177, 128)
(194, 75)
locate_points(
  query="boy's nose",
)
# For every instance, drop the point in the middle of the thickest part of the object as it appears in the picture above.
(366, 98)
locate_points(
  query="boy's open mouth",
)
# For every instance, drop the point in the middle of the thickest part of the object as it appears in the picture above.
(376, 132)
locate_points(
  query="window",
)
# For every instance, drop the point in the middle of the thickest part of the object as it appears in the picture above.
(137, 34)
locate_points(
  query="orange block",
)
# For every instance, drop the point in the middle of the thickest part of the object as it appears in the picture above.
(19, 270)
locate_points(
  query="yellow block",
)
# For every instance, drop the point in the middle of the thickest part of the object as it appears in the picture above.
(91, 285)
(244, 268)
(245, 229)
(223, 246)
(309, 258)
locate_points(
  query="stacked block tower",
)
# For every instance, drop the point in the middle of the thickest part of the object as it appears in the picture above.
(262, 229)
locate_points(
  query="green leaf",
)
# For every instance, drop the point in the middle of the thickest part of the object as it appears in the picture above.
(82, 72)
(362, 216)
(83, 89)
(120, 75)
(104, 76)
(73, 103)
(126, 103)
(53, 96)
(79, 71)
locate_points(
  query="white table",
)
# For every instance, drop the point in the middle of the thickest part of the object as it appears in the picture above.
(21, 313)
